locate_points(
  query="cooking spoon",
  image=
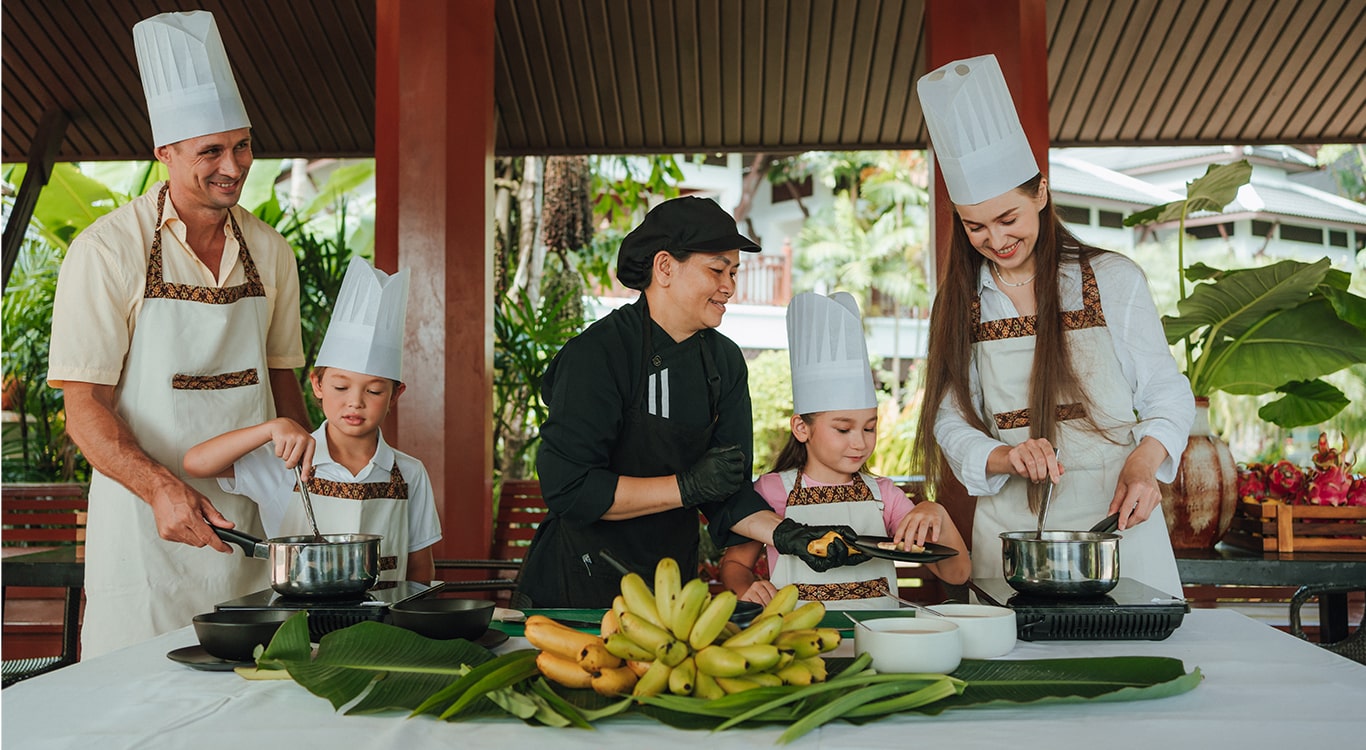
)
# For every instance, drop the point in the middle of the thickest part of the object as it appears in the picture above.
(308, 503)
(1047, 495)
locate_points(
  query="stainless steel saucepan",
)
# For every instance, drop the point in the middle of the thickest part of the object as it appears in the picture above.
(340, 565)
(1062, 563)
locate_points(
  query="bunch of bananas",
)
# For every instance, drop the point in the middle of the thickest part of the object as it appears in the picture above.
(679, 638)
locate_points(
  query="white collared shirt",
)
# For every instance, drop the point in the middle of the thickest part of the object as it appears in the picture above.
(1162, 396)
(262, 476)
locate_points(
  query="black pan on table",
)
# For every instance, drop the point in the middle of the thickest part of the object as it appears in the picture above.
(933, 552)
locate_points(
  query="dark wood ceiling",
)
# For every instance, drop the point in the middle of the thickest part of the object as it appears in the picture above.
(602, 76)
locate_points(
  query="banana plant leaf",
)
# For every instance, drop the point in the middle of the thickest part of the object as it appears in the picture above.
(1211, 192)
(1238, 300)
(1304, 403)
(1302, 343)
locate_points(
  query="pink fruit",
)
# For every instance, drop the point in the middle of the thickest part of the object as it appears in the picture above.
(1286, 481)
(1329, 486)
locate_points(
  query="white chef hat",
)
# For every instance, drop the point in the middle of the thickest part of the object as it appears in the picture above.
(186, 77)
(828, 353)
(365, 334)
(978, 141)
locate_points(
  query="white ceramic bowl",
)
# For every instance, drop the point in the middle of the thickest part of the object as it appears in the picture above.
(986, 631)
(910, 644)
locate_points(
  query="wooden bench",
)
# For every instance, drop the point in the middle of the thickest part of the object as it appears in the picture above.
(41, 624)
(520, 510)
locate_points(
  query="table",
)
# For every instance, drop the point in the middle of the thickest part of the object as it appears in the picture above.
(1229, 565)
(1262, 689)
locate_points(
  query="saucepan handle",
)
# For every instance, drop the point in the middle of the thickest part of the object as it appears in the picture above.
(250, 545)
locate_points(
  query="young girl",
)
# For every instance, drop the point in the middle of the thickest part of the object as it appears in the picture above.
(821, 475)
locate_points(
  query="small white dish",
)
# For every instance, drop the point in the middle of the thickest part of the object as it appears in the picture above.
(910, 644)
(986, 631)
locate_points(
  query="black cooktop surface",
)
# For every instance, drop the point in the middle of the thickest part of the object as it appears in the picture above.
(1130, 611)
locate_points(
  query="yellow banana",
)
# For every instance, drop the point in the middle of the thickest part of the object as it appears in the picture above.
(806, 616)
(640, 601)
(729, 630)
(719, 661)
(548, 635)
(563, 671)
(830, 639)
(705, 687)
(617, 681)
(683, 677)
(802, 643)
(610, 624)
(762, 630)
(734, 685)
(816, 665)
(621, 646)
(761, 657)
(596, 658)
(795, 673)
(765, 679)
(619, 605)
(712, 620)
(782, 602)
(643, 632)
(690, 602)
(668, 582)
(654, 681)
(672, 653)
(637, 666)
(785, 658)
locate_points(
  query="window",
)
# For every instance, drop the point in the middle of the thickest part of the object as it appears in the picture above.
(1074, 214)
(1210, 231)
(1262, 228)
(1111, 219)
(1298, 233)
(1337, 238)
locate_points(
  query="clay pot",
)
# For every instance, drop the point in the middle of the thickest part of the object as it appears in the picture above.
(1199, 504)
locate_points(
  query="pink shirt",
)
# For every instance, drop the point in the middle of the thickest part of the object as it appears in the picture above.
(895, 504)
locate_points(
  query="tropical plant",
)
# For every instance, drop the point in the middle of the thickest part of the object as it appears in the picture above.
(1274, 329)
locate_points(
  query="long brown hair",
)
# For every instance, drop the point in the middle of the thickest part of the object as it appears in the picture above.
(1052, 379)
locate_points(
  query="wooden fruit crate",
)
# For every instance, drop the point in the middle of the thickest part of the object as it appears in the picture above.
(1298, 528)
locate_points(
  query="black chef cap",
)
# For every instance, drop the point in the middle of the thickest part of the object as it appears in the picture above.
(688, 224)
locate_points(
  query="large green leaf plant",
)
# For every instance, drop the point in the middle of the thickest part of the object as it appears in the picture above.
(1276, 329)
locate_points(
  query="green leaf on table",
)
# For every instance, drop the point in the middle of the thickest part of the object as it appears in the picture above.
(1037, 681)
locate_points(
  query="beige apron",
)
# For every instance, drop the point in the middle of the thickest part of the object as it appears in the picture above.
(359, 508)
(858, 506)
(196, 368)
(1004, 350)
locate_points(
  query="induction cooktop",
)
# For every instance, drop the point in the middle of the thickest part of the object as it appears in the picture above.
(1129, 611)
(327, 615)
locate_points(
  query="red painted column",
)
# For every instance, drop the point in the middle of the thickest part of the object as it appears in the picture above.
(1016, 31)
(434, 141)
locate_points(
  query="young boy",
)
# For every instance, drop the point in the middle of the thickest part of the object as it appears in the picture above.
(357, 482)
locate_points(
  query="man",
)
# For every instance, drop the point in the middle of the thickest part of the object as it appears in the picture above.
(176, 318)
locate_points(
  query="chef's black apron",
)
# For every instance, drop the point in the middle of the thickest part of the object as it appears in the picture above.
(563, 566)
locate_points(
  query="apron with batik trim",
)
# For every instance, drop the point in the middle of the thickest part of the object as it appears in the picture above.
(857, 505)
(359, 508)
(1004, 351)
(196, 368)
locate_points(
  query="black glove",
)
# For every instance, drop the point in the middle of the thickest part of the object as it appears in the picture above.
(715, 476)
(792, 538)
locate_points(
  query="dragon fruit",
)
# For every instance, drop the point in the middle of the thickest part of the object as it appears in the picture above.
(1356, 496)
(1252, 483)
(1286, 481)
(1326, 456)
(1329, 486)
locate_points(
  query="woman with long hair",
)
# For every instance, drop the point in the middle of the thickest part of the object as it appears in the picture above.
(1041, 346)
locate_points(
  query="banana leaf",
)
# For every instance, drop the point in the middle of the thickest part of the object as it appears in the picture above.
(1302, 343)
(1237, 300)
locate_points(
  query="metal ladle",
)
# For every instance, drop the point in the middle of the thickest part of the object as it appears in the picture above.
(1047, 495)
(308, 504)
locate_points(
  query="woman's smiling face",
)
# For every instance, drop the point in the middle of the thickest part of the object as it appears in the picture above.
(691, 295)
(1004, 230)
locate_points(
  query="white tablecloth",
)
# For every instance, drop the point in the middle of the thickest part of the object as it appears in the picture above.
(1262, 689)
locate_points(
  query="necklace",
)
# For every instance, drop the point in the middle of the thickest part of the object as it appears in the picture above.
(1002, 279)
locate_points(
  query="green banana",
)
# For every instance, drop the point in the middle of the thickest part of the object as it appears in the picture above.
(643, 632)
(762, 630)
(622, 647)
(672, 653)
(719, 661)
(734, 685)
(690, 602)
(802, 643)
(782, 602)
(817, 666)
(765, 679)
(705, 687)
(808, 615)
(712, 620)
(683, 677)
(795, 673)
(654, 681)
(830, 638)
(667, 585)
(639, 599)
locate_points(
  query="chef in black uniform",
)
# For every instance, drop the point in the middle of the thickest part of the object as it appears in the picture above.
(650, 423)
